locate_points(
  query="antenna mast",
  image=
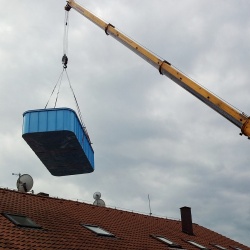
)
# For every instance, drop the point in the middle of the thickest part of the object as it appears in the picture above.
(150, 212)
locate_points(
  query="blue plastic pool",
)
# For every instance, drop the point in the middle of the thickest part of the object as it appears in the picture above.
(59, 140)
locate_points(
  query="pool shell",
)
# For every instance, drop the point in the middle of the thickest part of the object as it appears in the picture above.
(59, 140)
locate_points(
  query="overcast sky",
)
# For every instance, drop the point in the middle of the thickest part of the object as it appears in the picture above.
(149, 135)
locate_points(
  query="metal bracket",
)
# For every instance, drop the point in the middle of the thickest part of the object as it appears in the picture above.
(162, 64)
(106, 29)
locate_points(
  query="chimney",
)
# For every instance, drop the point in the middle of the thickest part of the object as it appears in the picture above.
(186, 220)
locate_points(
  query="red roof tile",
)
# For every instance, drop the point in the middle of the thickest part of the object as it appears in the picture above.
(61, 227)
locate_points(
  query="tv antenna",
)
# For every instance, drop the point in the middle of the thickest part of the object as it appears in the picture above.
(24, 182)
(150, 212)
(98, 201)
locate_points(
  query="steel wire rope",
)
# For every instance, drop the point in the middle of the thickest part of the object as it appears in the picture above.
(59, 79)
(65, 61)
(66, 31)
(59, 86)
(77, 106)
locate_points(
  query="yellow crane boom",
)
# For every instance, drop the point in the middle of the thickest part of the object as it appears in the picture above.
(238, 118)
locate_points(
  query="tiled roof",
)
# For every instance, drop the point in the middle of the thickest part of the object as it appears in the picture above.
(61, 227)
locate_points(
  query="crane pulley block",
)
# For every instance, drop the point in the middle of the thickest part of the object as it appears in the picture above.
(65, 61)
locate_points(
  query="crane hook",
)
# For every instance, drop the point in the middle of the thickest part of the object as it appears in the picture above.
(64, 61)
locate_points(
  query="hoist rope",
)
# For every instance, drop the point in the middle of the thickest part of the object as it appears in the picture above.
(66, 30)
(59, 81)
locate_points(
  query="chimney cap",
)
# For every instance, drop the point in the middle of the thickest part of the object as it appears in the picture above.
(184, 207)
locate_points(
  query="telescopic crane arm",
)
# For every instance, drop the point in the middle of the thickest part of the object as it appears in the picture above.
(238, 118)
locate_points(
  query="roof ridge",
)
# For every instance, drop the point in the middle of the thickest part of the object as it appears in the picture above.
(89, 204)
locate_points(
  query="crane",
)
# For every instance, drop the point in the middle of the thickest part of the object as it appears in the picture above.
(238, 118)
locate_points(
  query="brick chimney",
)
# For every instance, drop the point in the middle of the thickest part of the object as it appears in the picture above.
(186, 220)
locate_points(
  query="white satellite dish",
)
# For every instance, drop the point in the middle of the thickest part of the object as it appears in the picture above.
(98, 201)
(24, 183)
(97, 195)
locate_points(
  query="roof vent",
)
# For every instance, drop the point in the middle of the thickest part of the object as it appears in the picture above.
(98, 201)
(186, 220)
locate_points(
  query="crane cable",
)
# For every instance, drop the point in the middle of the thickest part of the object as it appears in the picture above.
(65, 39)
(59, 81)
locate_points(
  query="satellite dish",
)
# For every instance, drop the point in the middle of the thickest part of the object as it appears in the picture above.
(24, 183)
(98, 202)
(97, 195)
